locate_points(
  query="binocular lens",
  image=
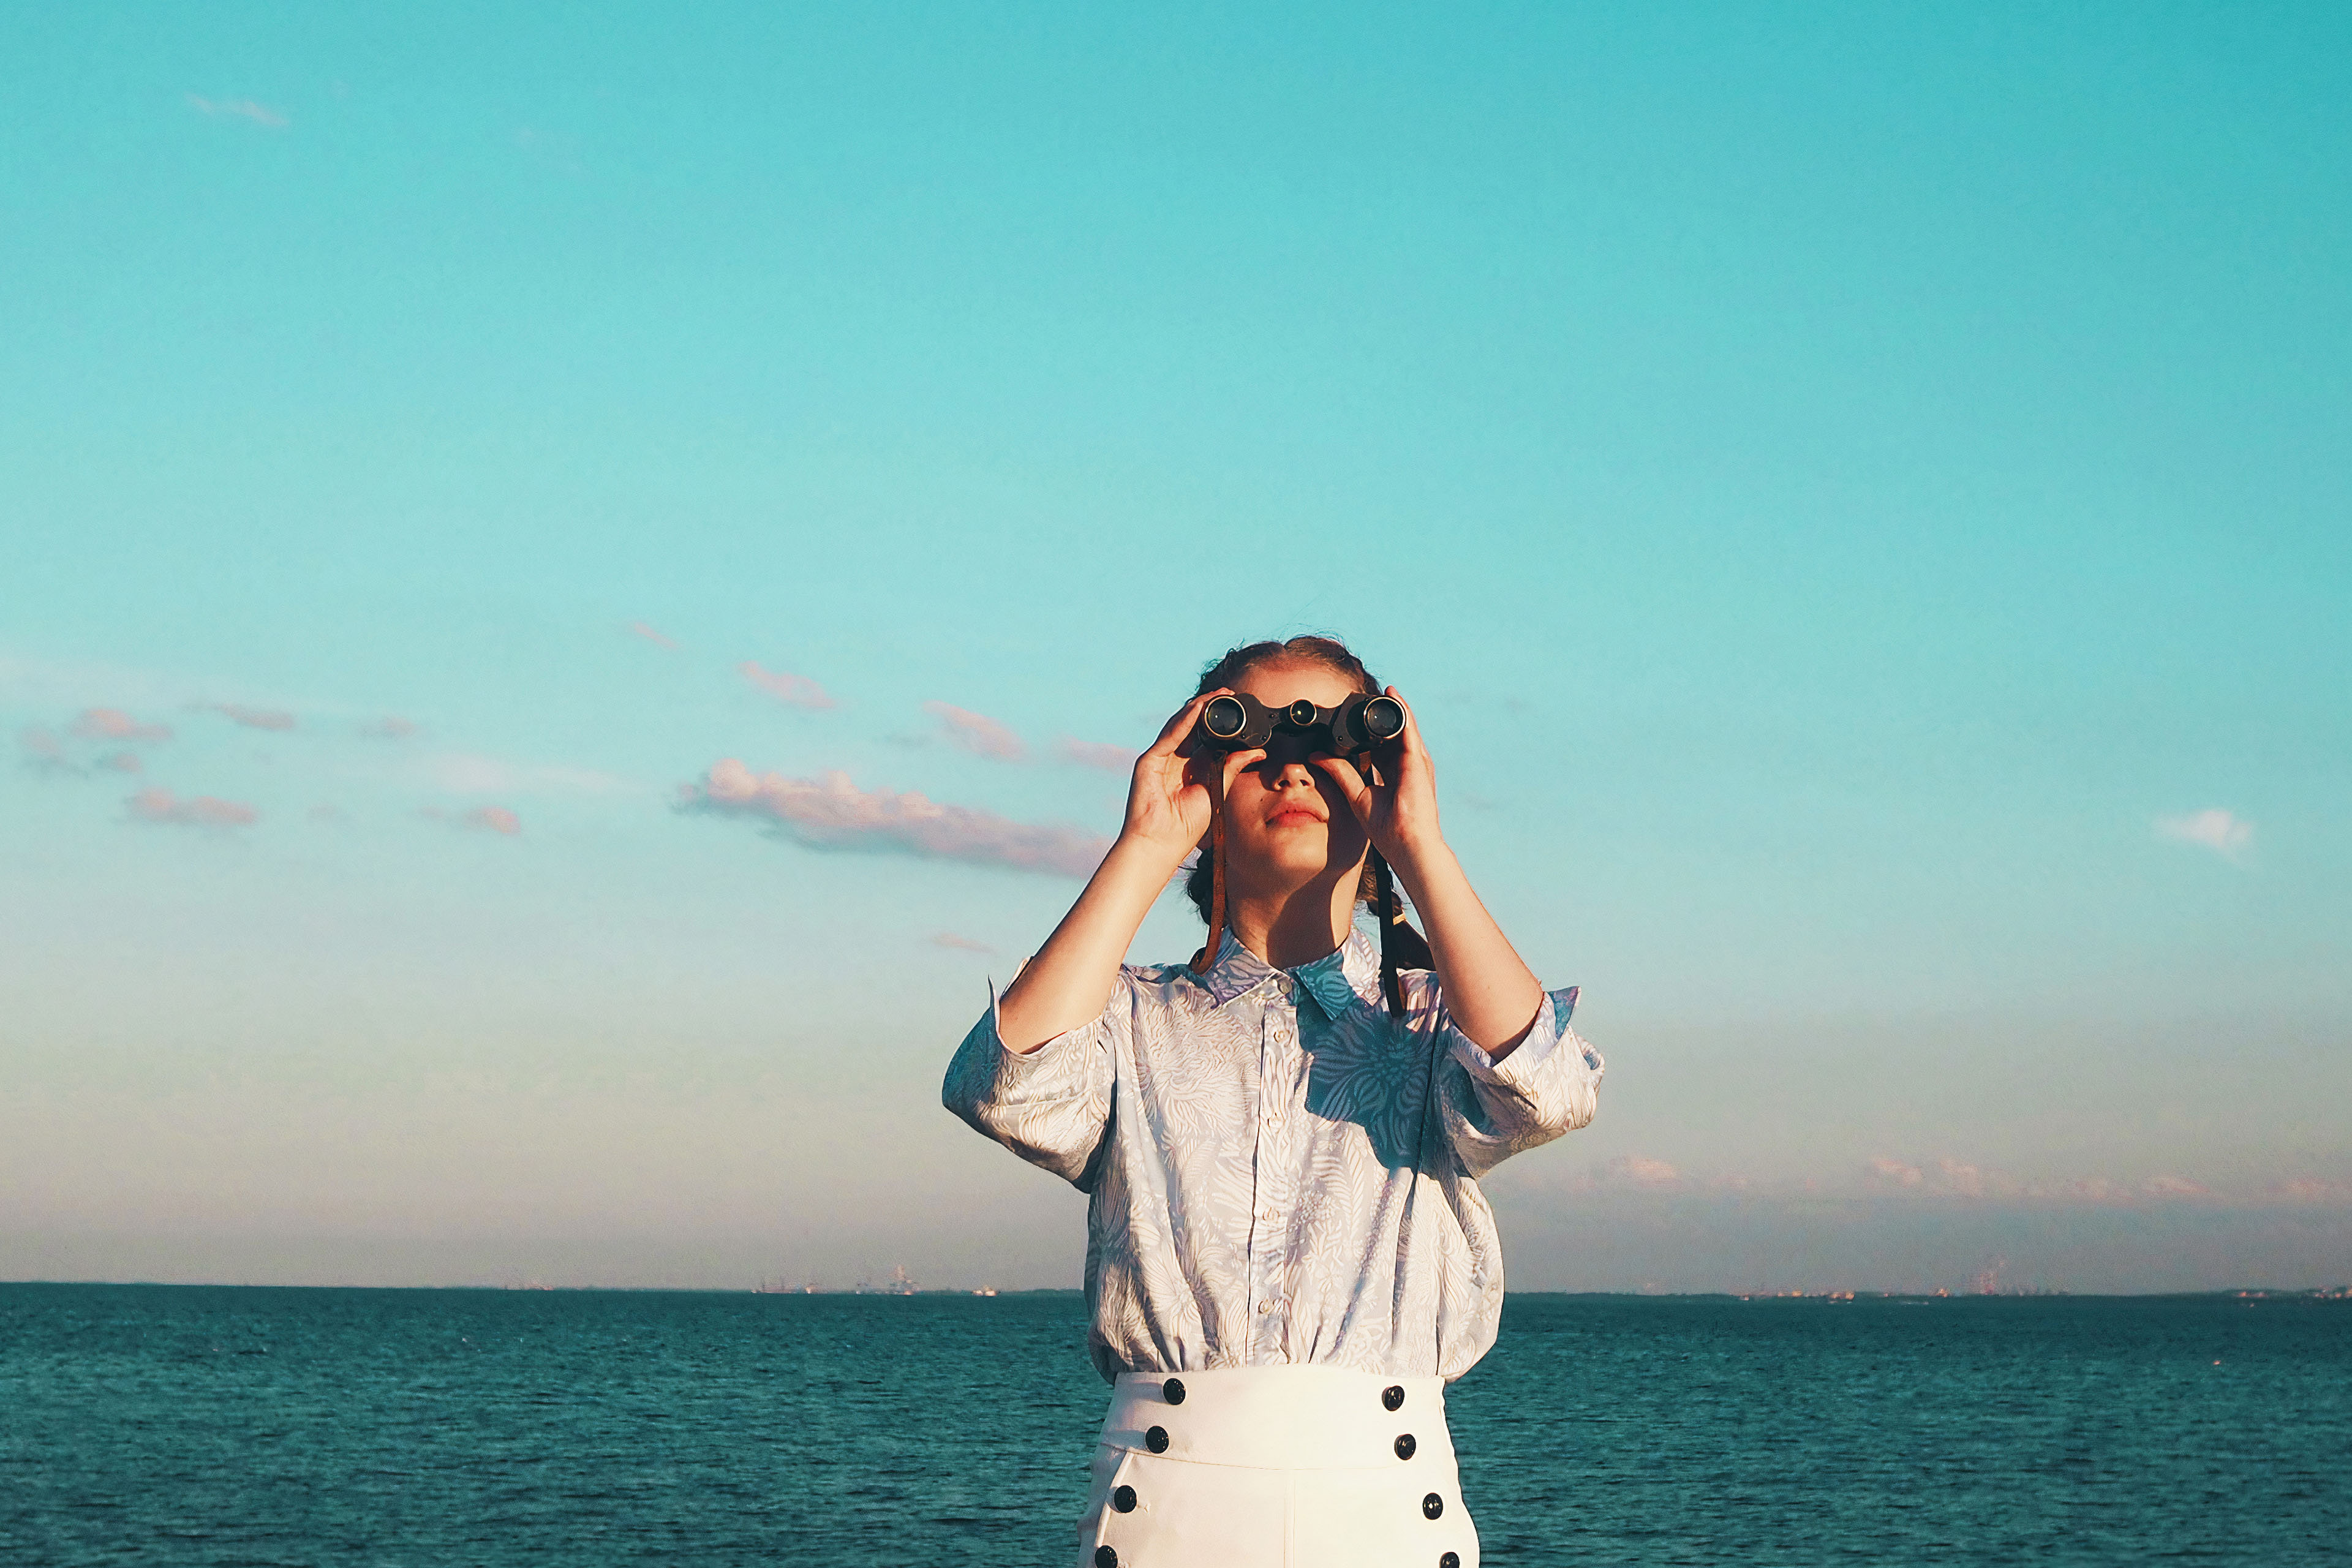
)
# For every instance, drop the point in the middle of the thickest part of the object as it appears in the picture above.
(1384, 718)
(1223, 717)
(1302, 713)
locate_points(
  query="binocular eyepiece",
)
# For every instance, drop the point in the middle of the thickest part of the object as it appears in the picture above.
(1240, 722)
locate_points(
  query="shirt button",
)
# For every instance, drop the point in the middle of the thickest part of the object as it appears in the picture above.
(1264, 1307)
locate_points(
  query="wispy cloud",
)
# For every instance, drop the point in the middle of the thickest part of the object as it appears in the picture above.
(391, 727)
(977, 733)
(481, 818)
(2312, 1190)
(1946, 1178)
(157, 805)
(240, 108)
(44, 753)
(639, 628)
(255, 717)
(2224, 832)
(2083, 1189)
(833, 813)
(2174, 1187)
(1100, 754)
(959, 944)
(114, 724)
(41, 750)
(784, 687)
(1960, 1179)
(1636, 1170)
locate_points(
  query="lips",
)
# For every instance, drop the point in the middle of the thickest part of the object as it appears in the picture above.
(1293, 813)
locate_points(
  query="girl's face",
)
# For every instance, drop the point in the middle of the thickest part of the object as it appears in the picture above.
(1285, 821)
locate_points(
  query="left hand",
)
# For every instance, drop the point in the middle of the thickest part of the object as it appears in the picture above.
(1397, 804)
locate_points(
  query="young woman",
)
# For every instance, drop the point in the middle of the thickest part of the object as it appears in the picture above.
(1287, 1254)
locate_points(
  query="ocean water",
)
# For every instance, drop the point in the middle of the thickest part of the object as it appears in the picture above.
(166, 1425)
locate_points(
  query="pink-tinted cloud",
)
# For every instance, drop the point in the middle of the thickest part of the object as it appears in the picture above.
(1898, 1172)
(977, 733)
(1100, 754)
(784, 687)
(1959, 1179)
(114, 724)
(2312, 1190)
(40, 748)
(2085, 1189)
(155, 803)
(2222, 832)
(959, 944)
(122, 763)
(239, 109)
(391, 727)
(834, 813)
(481, 818)
(1640, 1172)
(639, 628)
(2174, 1187)
(255, 717)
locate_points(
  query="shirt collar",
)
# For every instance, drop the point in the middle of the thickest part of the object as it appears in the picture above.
(1338, 981)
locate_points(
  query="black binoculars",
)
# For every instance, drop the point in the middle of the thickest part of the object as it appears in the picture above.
(1240, 722)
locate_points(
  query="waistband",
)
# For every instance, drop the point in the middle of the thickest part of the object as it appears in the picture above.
(1283, 1417)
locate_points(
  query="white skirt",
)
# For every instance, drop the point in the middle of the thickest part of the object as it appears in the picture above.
(1277, 1466)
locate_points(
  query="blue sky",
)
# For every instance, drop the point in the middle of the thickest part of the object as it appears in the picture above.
(1858, 495)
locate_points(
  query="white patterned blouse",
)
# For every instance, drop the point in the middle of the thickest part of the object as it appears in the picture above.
(1273, 1182)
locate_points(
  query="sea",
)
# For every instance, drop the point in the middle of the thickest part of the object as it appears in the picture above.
(253, 1427)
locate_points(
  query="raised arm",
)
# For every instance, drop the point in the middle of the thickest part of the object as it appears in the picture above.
(1493, 995)
(1069, 981)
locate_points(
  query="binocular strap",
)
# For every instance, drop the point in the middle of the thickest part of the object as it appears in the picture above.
(1216, 784)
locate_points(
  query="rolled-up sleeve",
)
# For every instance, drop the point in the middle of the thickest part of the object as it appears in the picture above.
(1050, 1106)
(1548, 1085)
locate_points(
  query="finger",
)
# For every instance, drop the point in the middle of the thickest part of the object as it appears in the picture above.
(1237, 761)
(1180, 725)
(1343, 772)
(1196, 771)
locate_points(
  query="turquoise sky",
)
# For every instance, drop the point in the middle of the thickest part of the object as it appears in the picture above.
(1858, 496)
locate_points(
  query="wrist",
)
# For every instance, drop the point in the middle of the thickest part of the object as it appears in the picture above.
(1413, 854)
(1140, 855)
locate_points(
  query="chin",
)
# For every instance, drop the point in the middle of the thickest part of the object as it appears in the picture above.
(1297, 864)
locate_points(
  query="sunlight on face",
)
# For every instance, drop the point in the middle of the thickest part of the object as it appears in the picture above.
(1286, 822)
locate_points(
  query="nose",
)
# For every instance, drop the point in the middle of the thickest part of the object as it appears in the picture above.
(1291, 774)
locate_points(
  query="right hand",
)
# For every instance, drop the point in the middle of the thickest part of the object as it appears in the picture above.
(1168, 805)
